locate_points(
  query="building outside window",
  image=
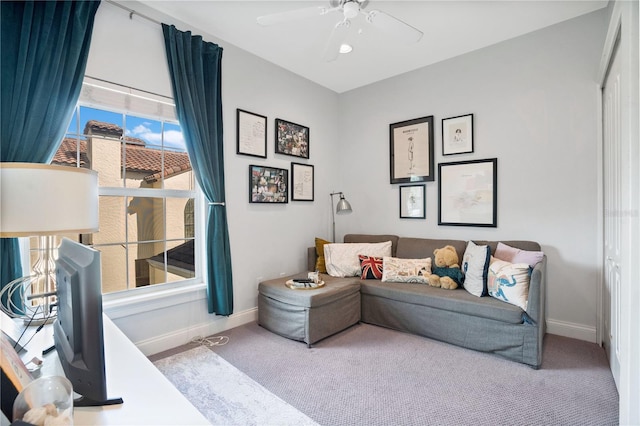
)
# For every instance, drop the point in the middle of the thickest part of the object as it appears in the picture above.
(146, 195)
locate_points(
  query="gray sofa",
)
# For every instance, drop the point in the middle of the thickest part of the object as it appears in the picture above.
(453, 316)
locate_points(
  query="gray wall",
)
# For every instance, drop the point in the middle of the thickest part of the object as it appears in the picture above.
(535, 106)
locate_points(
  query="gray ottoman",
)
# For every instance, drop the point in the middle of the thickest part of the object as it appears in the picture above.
(308, 315)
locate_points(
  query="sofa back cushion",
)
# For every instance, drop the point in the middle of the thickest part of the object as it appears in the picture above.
(419, 248)
(368, 238)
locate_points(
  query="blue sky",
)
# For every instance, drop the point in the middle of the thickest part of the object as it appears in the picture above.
(143, 128)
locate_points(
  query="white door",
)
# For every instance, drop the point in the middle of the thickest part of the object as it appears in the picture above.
(613, 206)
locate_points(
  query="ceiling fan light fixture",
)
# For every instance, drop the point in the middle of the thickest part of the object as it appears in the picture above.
(351, 9)
(346, 48)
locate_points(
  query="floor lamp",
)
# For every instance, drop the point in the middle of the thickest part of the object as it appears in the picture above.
(343, 207)
(45, 201)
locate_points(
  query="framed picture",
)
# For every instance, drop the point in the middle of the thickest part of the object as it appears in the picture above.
(411, 144)
(457, 135)
(412, 202)
(268, 185)
(467, 193)
(251, 134)
(301, 182)
(292, 139)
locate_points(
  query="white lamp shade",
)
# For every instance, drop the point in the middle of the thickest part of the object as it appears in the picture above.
(40, 199)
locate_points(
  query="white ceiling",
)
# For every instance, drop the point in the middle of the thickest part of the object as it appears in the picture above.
(450, 28)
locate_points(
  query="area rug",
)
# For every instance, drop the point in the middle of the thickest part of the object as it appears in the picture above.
(225, 395)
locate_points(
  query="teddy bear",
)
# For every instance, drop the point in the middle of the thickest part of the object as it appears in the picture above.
(446, 272)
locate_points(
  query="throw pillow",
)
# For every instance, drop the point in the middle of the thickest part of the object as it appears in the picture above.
(515, 255)
(370, 267)
(406, 270)
(342, 259)
(320, 263)
(475, 264)
(509, 282)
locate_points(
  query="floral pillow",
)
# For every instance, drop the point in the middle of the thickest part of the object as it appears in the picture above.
(371, 267)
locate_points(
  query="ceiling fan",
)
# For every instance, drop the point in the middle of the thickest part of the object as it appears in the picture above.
(350, 9)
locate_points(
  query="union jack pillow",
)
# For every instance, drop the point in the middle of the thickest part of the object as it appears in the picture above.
(371, 267)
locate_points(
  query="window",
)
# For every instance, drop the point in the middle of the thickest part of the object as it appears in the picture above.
(146, 189)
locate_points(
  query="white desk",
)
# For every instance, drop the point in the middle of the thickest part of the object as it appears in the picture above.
(149, 397)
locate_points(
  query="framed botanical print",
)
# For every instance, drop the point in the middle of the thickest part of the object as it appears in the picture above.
(468, 193)
(411, 150)
(268, 185)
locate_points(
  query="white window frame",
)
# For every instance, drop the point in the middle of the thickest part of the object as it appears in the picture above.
(109, 96)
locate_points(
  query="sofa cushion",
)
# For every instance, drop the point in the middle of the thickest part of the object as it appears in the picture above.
(475, 265)
(515, 255)
(509, 282)
(320, 265)
(417, 248)
(334, 289)
(342, 259)
(406, 270)
(366, 238)
(455, 301)
(370, 267)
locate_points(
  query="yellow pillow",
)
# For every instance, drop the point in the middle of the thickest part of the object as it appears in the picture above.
(320, 265)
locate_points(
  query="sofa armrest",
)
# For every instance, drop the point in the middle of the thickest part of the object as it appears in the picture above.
(536, 303)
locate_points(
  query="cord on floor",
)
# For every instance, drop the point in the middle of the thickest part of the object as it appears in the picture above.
(210, 341)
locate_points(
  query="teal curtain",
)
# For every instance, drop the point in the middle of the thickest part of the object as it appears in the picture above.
(45, 45)
(195, 67)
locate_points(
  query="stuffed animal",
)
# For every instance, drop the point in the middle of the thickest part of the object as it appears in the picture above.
(446, 272)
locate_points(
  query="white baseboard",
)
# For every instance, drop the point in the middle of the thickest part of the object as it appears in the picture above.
(573, 330)
(180, 337)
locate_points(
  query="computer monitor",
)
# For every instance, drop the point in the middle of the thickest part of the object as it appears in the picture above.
(77, 330)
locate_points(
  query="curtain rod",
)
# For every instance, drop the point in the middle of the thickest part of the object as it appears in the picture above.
(133, 12)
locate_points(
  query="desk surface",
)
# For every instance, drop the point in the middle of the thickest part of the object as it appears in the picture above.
(149, 397)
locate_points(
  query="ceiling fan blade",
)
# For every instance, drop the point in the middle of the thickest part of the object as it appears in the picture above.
(394, 27)
(293, 15)
(336, 38)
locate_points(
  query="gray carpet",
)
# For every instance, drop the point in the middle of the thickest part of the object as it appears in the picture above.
(369, 375)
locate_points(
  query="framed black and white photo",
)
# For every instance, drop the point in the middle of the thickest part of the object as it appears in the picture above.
(251, 134)
(412, 202)
(468, 193)
(268, 185)
(292, 139)
(411, 150)
(301, 182)
(457, 135)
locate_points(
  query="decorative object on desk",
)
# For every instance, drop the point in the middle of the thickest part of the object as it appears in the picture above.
(343, 207)
(303, 284)
(292, 139)
(268, 185)
(43, 200)
(412, 202)
(302, 183)
(467, 193)
(251, 134)
(45, 401)
(411, 150)
(457, 135)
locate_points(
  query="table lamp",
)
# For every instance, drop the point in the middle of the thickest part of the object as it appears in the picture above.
(43, 200)
(343, 207)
